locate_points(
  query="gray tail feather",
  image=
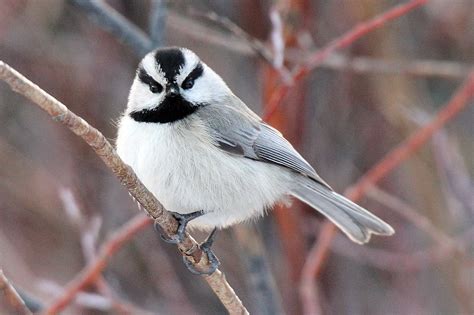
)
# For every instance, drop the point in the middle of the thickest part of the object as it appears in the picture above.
(356, 222)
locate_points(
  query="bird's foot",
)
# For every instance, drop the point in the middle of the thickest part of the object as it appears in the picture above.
(205, 247)
(183, 220)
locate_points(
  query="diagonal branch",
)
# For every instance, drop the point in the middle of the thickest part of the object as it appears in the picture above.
(112, 21)
(402, 152)
(361, 64)
(410, 214)
(226, 23)
(59, 112)
(361, 29)
(10, 296)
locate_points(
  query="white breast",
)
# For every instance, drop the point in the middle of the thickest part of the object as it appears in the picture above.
(179, 164)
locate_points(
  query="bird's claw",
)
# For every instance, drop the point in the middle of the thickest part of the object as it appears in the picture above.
(213, 262)
(183, 220)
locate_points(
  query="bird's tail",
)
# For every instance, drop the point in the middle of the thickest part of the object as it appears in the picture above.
(356, 222)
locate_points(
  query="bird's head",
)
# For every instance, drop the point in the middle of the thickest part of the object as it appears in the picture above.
(172, 83)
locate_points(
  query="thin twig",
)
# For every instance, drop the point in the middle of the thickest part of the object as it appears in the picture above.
(11, 299)
(451, 109)
(88, 229)
(277, 38)
(456, 183)
(93, 270)
(416, 68)
(316, 59)
(112, 21)
(59, 112)
(226, 23)
(394, 158)
(400, 261)
(410, 214)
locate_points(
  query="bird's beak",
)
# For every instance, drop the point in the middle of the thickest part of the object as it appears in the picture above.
(172, 89)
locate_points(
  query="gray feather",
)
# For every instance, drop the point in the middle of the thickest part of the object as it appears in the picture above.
(356, 222)
(238, 130)
(272, 147)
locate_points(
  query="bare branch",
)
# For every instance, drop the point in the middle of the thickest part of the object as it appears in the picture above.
(417, 68)
(392, 159)
(115, 23)
(411, 214)
(277, 38)
(275, 59)
(302, 71)
(11, 299)
(59, 112)
(400, 261)
(226, 23)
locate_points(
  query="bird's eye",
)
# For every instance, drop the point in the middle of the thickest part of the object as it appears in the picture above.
(144, 77)
(155, 87)
(195, 74)
(187, 84)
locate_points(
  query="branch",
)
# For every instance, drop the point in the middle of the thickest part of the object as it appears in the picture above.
(417, 68)
(88, 229)
(301, 72)
(410, 214)
(113, 22)
(12, 299)
(189, 248)
(401, 262)
(402, 152)
(93, 271)
(224, 22)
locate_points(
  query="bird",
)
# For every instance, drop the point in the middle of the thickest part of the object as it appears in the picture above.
(213, 162)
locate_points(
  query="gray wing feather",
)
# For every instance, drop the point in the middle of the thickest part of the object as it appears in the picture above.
(240, 131)
(271, 146)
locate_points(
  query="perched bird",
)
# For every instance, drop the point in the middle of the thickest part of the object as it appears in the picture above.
(211, 160)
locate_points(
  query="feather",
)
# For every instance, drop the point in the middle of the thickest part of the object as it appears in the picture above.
(237, 130)
(356, 222)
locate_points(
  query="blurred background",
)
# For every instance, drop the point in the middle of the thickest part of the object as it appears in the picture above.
(58, 202)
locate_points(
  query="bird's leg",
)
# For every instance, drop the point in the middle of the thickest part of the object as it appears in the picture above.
(183, 220)
(211, 257)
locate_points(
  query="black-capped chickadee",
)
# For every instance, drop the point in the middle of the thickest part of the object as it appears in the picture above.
(211, 160)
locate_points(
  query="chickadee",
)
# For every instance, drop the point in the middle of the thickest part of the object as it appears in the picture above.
(211, 160)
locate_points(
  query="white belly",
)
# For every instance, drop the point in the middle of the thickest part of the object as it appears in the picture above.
(181, 167)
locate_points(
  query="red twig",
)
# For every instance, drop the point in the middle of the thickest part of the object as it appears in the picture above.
(394, 158)
(300, 72)
(94, 269)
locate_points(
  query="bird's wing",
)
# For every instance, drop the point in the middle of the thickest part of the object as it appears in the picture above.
(238, 130)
